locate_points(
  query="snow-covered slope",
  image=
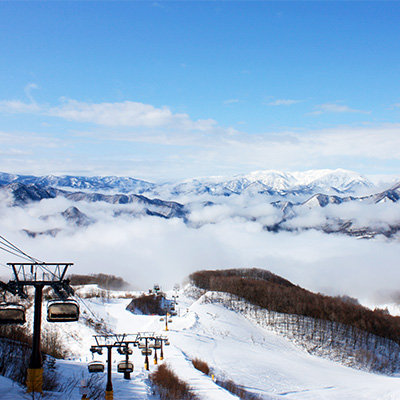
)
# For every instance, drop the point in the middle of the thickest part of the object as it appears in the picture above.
(261, 361)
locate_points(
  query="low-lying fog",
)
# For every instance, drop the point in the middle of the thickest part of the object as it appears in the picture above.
(230, 234)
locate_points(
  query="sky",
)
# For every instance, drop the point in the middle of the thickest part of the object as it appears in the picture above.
(164, 90)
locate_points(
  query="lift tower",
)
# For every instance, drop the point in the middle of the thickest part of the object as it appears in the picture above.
(39, 275)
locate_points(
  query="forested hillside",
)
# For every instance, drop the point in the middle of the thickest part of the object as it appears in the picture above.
(269, 291)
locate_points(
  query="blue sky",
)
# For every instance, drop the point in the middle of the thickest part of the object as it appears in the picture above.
(170, 90)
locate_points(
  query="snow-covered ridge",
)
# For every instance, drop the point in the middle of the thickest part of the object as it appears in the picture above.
(270, 181)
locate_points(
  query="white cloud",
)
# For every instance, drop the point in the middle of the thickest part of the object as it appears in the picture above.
(336, 108)
(231, 101)
(182, 147)
(18, 107)
(347, 147)
(124, 114)
(128, 114)
(284, 102)
(28, 90)
(144, 249)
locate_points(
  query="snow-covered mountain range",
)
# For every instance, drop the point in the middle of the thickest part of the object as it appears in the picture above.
(266, 182)
(330, 201)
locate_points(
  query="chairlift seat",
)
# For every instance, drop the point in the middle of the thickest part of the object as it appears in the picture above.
(146, 352)
(125, 367)
(96, 349)
(124, 350)
(62, 311)
(12, 313)
(96, 366)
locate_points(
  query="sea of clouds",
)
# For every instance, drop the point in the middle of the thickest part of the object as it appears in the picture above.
(226, 234)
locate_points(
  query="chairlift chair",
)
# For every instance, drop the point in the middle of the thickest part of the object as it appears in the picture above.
(146, 352)
(142, 346)
(124, 350)
(125, 367)
(96, 349)
(96, 366)
(12, 313)
(62, 311)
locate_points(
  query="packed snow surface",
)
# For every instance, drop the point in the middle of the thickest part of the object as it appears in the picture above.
(236, 349)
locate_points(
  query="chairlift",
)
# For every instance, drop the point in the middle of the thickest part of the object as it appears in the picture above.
(96, 349)
(142, 346)
(157, 344)
(167, 343)
(62, 311)
(146, 352)
(96, 366)
(125, 367)
(124, 350)
(12, 313)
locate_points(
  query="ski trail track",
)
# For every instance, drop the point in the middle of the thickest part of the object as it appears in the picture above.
(236, 349)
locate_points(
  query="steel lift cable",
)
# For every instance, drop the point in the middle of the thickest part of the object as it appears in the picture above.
(11, 245)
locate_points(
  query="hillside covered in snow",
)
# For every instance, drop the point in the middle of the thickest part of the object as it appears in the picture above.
(255, 349)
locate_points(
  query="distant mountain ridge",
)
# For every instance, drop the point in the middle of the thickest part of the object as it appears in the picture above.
(282, 183)
(299, 205)
(106, 183)
(271, 182)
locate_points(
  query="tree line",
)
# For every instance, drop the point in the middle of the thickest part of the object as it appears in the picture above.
(269, 291)
(103, 280)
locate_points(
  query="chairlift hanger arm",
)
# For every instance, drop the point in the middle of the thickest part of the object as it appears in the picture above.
(15, 288)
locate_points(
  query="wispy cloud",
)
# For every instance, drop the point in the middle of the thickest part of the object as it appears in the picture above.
(19, 107)
(122, 114)
(231, 101)
(128, 114)
(283, 102)
(28, 91)
(336, 108)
